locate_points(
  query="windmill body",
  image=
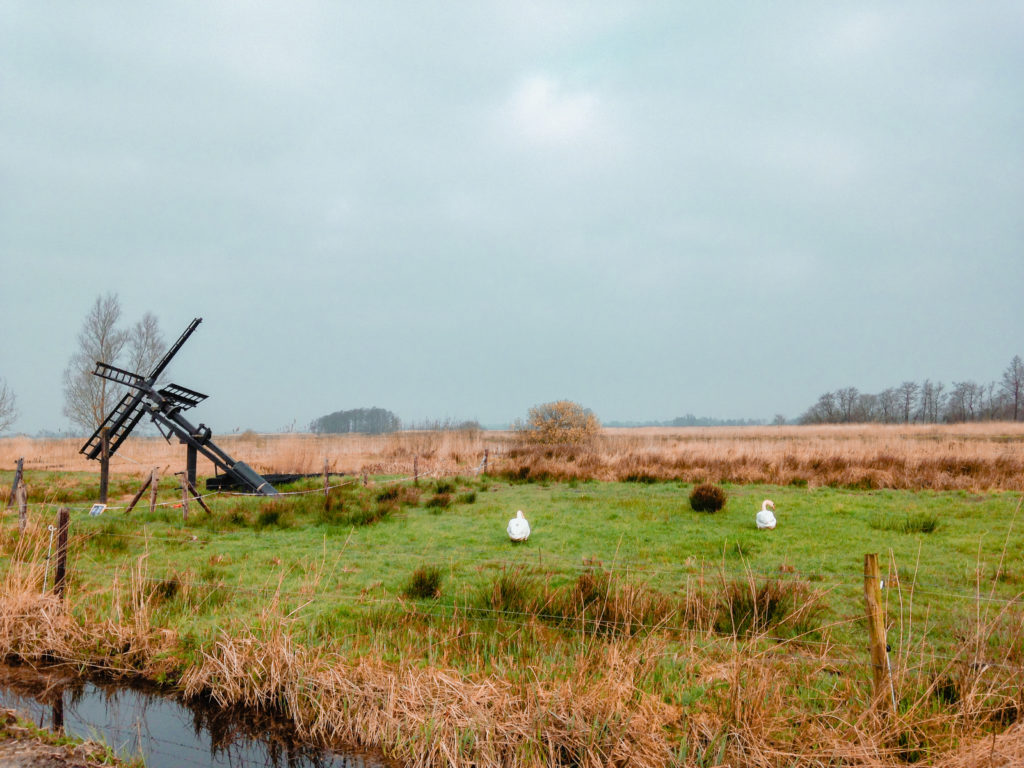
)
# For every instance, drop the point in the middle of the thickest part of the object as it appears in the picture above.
(165, 406)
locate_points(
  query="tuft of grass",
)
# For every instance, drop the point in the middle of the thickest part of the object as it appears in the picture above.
(911, 522)
(439, 501)
(748, 608)
(424, 583)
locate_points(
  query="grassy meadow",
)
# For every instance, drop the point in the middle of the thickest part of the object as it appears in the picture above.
(628, 630)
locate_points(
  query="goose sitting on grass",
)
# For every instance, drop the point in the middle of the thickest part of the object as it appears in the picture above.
(766, 517)
(518, 528)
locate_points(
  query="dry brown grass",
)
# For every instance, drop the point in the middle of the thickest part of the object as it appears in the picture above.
(601, 714)
(976, 457)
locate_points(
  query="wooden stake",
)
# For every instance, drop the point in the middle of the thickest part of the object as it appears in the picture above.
(196, 495)
(184, 498)
(486, 455)
(155, 475)
(104, 463)
(416, 470)
(22, 508)
(366, 479)
(142, 490)
(327, 485)
(16, 483)
(63, 522)
(876, 632)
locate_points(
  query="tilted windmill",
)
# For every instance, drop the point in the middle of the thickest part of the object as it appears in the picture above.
(165, 406)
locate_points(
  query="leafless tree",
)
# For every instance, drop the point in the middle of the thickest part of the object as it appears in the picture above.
(847, 398)
(889, 405)
(145, 344)
(8, 406)
(1013, 386)
(907, 390)
(87, 398)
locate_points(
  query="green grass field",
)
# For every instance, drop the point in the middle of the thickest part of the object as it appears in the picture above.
(358, 556)
(425, 577)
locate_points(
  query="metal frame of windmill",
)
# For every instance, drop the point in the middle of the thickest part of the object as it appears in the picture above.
(165, 407)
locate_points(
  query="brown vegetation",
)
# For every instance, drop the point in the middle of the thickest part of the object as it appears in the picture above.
(976, 457)
(954, 713)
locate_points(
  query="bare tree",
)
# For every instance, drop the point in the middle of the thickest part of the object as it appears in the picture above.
(145, 344)
(88, 398)
(8, 406)
(1013, 386)
(907, 390)
(889, 405)
(847, 398)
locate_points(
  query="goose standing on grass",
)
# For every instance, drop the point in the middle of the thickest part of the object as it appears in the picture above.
(518, 527)
(766, 517)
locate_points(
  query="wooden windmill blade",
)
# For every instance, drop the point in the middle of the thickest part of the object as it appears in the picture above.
(165, 407)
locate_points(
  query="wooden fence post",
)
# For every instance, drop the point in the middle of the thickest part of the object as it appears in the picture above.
(152, 489)
(184, 498)
(16, 483)
(416, 470)
(327, 484)
(104, 463)
(366, 478)
(486, 456)
(142, 490)
(63, 522)
(876, 632)
(22, 508)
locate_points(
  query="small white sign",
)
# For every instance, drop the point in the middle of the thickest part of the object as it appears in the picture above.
(97, 509)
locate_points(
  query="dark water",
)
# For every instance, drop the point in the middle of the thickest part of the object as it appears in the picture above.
(166, 732)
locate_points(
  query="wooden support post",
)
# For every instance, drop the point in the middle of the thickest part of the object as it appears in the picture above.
(198, 498)
(327, 485)
(104, 463)
(22, 508)
(191, 455)
(184, 497)
(486, 455)
(63, 522)
(416, 470)
(152, 489)
(16, 483)
(876, 631)
(366, 478)
(142, 490)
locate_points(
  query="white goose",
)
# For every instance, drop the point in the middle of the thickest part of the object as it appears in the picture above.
(518, 527)
(766, 517)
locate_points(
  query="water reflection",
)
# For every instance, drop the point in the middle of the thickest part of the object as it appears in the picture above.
(167, 733)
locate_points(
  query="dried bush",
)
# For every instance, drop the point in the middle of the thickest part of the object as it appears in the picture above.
(707, 498)
(562, 422)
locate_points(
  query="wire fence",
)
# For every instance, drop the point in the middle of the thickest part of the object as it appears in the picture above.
(599, 619)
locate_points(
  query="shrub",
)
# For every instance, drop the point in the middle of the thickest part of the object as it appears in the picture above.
(707, 498)
(424, 583)
(562, 422)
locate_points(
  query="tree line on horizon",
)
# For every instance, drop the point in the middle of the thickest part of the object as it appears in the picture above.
(927, 402)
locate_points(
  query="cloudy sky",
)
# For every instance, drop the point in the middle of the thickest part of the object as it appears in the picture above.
(463, 209)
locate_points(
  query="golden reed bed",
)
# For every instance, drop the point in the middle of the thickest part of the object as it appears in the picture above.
(975, 457)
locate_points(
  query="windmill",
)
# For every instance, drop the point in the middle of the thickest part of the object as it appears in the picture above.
(165, 407)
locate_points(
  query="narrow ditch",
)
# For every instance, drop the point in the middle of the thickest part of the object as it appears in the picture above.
(166, 732)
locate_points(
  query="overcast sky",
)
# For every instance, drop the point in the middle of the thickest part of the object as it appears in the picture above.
(464, 209)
